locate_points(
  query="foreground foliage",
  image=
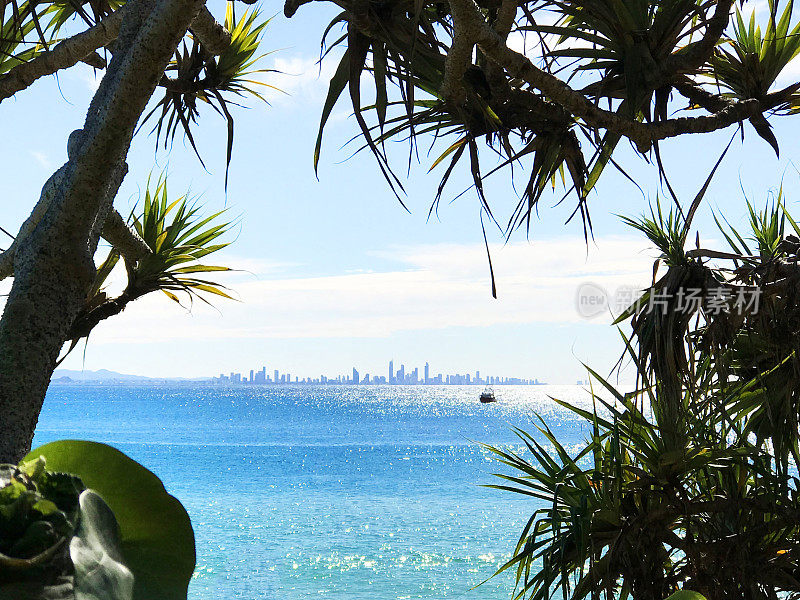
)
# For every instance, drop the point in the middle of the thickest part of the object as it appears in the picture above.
(81, 519)
(178, 238)
(690, 480)
(160, 61)
(550, 90)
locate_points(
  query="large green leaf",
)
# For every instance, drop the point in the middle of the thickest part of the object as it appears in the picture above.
(156, 534)
(686, 595)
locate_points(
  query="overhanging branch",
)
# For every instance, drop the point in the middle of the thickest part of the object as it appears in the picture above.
(214, 37)
(699, 53)
(82, 46)
(641, 134)
(117, 233)
(459, 57)
(65, 54)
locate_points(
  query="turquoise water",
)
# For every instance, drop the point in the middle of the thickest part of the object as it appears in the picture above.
(341, 492)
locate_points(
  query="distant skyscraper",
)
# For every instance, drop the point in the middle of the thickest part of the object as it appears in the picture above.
(277, 376)
(391, 371)
(355, 376)
(401, 374)
(427, 373)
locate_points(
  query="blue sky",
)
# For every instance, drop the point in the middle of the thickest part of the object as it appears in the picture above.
(334, 273)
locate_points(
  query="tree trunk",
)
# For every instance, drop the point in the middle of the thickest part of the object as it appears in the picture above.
(53, 265)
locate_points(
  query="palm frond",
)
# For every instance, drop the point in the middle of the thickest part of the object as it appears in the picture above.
(179, 238)
(195, 77)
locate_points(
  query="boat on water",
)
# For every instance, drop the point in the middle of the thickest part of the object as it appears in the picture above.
(487, 395)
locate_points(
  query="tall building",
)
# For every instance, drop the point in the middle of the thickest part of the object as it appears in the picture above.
(391, 371)
(427, 373)
(355, 376)
(277, 376)
(252, 379)
(401, 374)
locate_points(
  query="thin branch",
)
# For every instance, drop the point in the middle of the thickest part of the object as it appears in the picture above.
(460, 55)
(697, 95)
(641, 134)
(506, 15)
(86, 321)
(65, 54)
(107, 210)
(704, 253)
(699, 53)
(117, 233)
(82, 46)
(214, 37)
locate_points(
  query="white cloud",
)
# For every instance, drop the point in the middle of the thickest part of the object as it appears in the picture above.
(300, 79)
(789, 75)
(90, 76)
(41, 158)
(435, 287)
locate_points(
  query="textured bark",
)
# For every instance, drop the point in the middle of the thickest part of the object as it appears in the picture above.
(465, 34)
(697, 54)
(63, 55)
(39, 210)
(53, 266)
(82, 46)
(468, 17)
(114, 230)
(214, 37)
(117, 233)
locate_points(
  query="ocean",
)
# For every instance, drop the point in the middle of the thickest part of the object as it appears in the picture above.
(342, 492)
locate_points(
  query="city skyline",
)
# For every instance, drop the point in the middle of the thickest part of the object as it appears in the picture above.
(392, 377)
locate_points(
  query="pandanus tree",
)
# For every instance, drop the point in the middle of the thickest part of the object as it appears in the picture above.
(594, 74)
(171, 55)
(79, 519)
(689, 480)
